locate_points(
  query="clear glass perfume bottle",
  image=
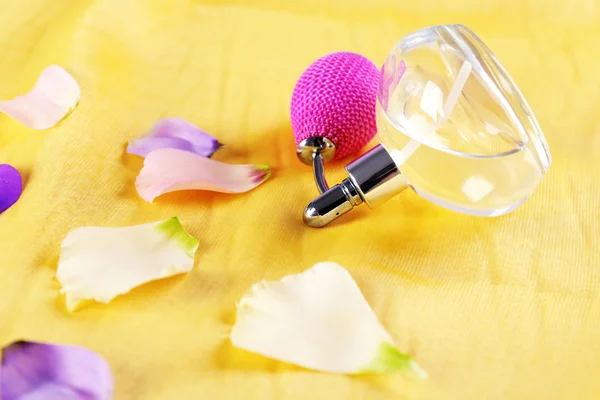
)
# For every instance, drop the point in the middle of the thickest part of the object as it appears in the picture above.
(454, 127)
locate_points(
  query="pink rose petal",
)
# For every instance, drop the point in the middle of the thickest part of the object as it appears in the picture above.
(11, 186)
(53, 97)
(170, 170)
(174, 133)
(40, 371)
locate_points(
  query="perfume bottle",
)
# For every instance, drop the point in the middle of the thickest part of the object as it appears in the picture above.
(453, 127)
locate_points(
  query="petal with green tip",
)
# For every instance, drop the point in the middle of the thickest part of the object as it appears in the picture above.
(319, 320)
(170, 170)
(102, 263)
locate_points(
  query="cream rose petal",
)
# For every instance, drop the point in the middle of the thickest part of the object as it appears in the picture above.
(54, 96)
(317, 319)
(102, 263)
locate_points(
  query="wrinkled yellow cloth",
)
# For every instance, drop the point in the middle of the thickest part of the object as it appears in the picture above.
(502, 308)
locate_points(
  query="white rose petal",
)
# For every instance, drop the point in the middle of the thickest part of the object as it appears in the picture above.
(320, 320)
(102, 263)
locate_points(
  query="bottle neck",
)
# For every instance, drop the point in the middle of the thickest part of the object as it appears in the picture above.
(376, 176)
(373, 179)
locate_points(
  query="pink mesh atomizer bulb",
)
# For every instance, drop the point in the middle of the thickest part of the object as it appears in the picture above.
(334, 101)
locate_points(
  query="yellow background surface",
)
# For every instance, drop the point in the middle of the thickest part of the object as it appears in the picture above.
(491, 308)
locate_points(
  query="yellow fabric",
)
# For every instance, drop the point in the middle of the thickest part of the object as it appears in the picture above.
(492, 308)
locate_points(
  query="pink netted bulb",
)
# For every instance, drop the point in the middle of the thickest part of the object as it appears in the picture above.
(335, 98)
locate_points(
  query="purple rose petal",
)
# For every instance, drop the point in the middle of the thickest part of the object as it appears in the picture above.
(11, 186)
(174, 133)
(39, 371)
